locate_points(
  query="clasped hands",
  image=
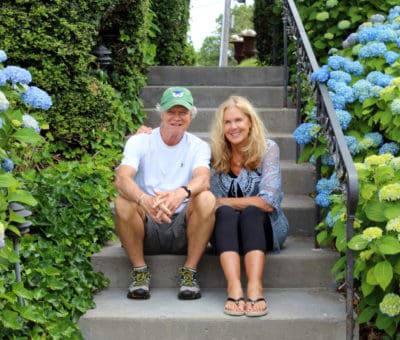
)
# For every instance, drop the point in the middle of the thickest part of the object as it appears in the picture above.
(162, 205)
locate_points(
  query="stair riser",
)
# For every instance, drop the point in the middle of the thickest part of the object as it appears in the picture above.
(271, 97)
(194, 329)
(278, 120)
(280, 271)
(226, 76)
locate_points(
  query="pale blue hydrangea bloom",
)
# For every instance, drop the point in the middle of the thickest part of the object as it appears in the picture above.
(352, 144)
(354, 67)
(362, 90)
(376, 18)
(3, 56)
(374, 49)
(391, 57)
(313, 114)
(36, 98)
(327, 160)
(375, 137)
(338, 101)
(329, 220)
(4, 103)
(395, 106)
(29, 122)
(305, 133)
(393, 13)
(321, 75)
(391, 147)
(376, 91)
(367, 34)
(350, 40)
(395, 162)
(336, 62)
(379, 78)
(344, 118)
(7, 165)
(347, 92)
(3, 78)
(17, 75)
(340, 76)
(386, 34)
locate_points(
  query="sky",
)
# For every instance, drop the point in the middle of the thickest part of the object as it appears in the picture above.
(203, 14)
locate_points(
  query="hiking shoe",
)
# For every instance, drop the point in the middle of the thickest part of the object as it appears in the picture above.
(189, 288)
(140, 286)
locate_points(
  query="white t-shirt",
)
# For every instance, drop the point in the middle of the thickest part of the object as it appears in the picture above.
(162, 167)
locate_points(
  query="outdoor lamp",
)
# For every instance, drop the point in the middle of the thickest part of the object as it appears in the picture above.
(103, 55)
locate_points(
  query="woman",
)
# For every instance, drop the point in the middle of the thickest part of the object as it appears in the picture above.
(247, 183)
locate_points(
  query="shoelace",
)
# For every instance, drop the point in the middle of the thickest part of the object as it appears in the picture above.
(188, 278)
(140, 277)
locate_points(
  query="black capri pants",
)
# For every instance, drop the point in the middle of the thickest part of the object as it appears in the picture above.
(242, 231)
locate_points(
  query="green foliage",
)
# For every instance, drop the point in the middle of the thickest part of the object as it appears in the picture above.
(70, 222)
(355, 12)
(172, 21)
(55, 40)
(269, 28)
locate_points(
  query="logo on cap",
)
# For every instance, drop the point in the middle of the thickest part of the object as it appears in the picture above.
(177, 93)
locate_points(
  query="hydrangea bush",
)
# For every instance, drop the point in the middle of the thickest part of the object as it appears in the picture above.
(363, 80)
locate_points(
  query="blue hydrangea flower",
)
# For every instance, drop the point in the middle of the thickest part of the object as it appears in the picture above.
(17, 75)
(321, 75)
(29, 122)
(350, 40)
(338, 101)
(327, 160)
(362, 90)
(379, 78)
(1, 123)
(345, 91)
(376, 91)
(327, 185)
(367, 34)
(3, 78)
(392, 148)
(323, 200)
(374, 49)
(4, 103)
(375, 137)
(395, 106)
(330, 221)
(7, 165)
(344, 118)
(393, 13)
(354, 67)
(3, 56)
(352, 144)
(391, 57)
(386, 34)
(313, 114)
(36, 98)
(305, 133)
(336, 62)
(340, 76)
(376, 18)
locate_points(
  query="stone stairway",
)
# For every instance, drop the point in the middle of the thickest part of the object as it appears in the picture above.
(298, 285)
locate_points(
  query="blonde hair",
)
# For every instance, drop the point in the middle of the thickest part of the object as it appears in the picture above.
(220, 146)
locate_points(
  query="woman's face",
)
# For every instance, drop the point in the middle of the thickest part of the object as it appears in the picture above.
(236, 126)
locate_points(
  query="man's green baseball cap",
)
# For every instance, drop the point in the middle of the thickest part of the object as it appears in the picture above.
(176, 96)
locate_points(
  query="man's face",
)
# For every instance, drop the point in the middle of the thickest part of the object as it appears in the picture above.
(176, 119)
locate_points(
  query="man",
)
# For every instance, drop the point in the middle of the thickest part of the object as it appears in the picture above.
(164, 203)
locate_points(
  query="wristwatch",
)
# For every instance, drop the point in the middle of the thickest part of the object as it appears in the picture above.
(189, 192)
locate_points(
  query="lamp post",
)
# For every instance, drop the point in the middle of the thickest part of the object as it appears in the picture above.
(103, 55)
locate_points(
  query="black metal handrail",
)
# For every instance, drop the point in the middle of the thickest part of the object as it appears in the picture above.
(345, 169)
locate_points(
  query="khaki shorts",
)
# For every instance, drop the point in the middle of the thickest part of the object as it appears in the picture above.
(166, 238)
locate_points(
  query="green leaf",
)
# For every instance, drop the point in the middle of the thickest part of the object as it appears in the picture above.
(7, 180)
(392, 211)
(10, 320)
(21, 196)
(19, 290)
(9, 254)
(371, 279)
(374, 211)
(383, 273)
(383, 321)
(13, 217)
(358, 243)
(367, 314)
(28, 136)
(389, 245)
(31, 313)
(366, 288)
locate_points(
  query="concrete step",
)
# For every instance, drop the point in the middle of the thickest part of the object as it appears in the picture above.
(294, 314)
(212, 96)
(297, 265)
(276, 120)
(229, 76)
(301, 214)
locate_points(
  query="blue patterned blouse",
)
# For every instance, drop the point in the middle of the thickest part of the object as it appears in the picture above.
(264, 182)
